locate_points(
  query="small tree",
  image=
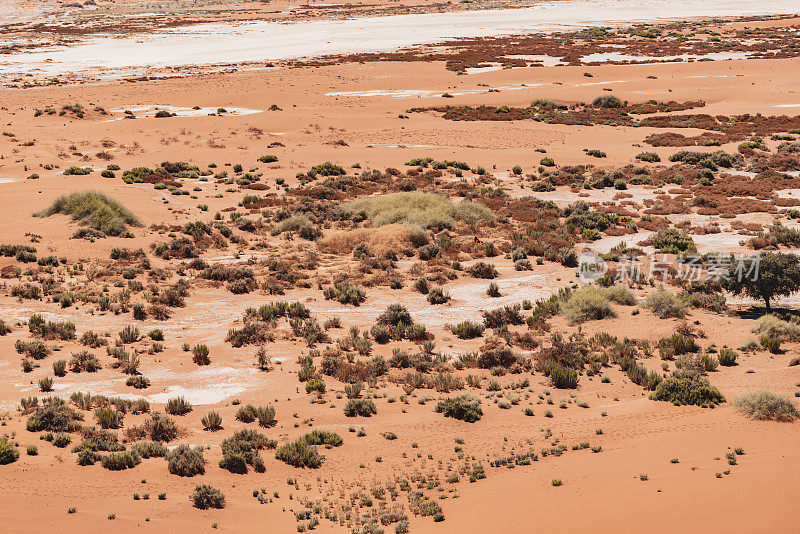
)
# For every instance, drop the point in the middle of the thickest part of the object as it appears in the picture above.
(772, 275)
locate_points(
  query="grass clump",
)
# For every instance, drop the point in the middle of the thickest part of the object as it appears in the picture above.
(664, 304)
(360, 407)
(345, 293)
(676, 345)
(94, 209)
(650, 157)
(8, 452)
(292, 224)
(108, 417)
(178, 406)
(160, 428)
(241, 450)
(727, 357)
(186, 461)
(587, 303)
(770, 326)
(563, 377)
(205, 497)
(671, 241)
(607, 101)
(149, 449)
(300, 453)
(468, 330)
(322, 437)
(687, 387)
(264, 414)
(55, 416)
(765, 405)
(212, 421)
(482, 269)
(462, 407)
(417, 210)
(118, 461)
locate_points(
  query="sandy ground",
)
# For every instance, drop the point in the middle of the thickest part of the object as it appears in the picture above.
(350, 113)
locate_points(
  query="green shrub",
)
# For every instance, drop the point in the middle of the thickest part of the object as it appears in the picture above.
(46, 384)
(395, 315)
(96, 210)
(138, 382)
(61, 439)
(360, 407)
(727, 357)
(295, 223)
(200, 355)
(462, 407)
(771, 343)
(87, 457)
(54, 417)
(664, 304)
(676, 345)
(772, 326)
(706, 159)
(621, 295)
(64, 331)
(77, 171)
(315, 384)
(129, 334)
(264, 414)
(345, 293)
(186, 461)
(327, 169)
(241, 450)
(417, 210)
(493, 290)
(381, 334)
(322, 437)
(482, 269)
(108, 417)
(438, 295)
(178, 406)
(60, 367)
(650, 157)
(671, 241)
(234, 462)
(607, 101)
(421, 285)
(686, 387)
(149, 449)
(8, 452)
(118, 461)
(468, 330)
(160, 428)
(300, 453)
(587, 303)
(764, 405)
(563, 377)
(205, 497)
(212, 421)
(84, 361)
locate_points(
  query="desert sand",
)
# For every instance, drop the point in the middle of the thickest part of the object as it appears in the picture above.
(349, 160)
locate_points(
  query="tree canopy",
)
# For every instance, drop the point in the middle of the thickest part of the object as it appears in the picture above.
(766, 277)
